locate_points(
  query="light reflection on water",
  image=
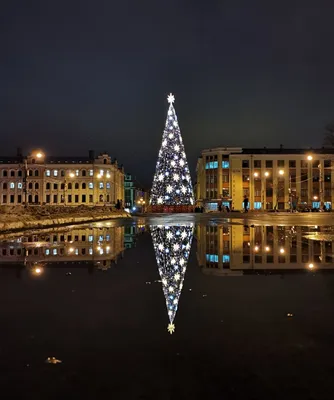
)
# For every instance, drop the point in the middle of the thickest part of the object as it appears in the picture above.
(221, 249)
(94, 293)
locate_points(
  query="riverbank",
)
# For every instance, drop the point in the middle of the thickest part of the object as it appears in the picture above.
(35, 217)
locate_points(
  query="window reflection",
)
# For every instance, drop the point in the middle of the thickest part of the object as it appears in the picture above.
(239, 249)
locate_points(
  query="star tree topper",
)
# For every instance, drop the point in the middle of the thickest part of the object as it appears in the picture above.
(170, 98)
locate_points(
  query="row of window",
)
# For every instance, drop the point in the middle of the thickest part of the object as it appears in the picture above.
(214, 258)
(36, 251)
(214, 164)
(55, 186)
(70, 238)
(269, 164)
(305, 259)
(54, 172)
(54, 199)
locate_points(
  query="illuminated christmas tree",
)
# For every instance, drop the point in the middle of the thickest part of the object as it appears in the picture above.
(172, 181)
(172, 246)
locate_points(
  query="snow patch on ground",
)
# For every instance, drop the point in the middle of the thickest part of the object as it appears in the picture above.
(12, 218)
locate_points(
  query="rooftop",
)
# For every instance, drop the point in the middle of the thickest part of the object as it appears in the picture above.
(266, 150)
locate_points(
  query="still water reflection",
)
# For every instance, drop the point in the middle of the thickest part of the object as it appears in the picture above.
(243, 305)
(221, 250)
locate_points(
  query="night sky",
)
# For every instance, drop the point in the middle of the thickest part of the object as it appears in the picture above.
(80, 75)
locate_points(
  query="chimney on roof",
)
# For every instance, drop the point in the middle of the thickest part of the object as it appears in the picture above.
(19, 152)
(281, 146)
(91, 154)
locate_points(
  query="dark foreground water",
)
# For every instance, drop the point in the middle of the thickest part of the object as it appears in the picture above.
(250, 309)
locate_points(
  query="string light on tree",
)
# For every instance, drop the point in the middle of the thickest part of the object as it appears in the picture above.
(177, 240)
(172, 184)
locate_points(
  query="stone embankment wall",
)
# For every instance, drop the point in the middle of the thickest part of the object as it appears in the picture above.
(16, 218)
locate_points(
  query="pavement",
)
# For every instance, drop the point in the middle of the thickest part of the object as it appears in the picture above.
(252, 217)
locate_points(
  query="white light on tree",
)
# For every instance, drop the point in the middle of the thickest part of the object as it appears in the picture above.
(169, 171)
(177, 239)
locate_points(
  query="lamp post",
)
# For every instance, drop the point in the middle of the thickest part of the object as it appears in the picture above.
(39, 155)
(263, 186)
(321, 192)
(278, 189)
(101, 178)
(141, 202)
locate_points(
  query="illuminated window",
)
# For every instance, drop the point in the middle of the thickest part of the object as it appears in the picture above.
(77, 172)
(108, 185)
(90, 251)
(19, 185)
(47, 252)
(91, 172)
(54, 252)
(76, 252)
(12, 185)
(225, 164)
(101, 172)
(257, 205)
(55, 172)
(101, 185)
(48, 172)
(90, 238)
(211, 165)
(91, 185)
(212, 257)
(226, 258)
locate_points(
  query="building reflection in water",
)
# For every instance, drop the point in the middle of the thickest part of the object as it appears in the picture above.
(237, 249)
(172, 246)
(101, 245)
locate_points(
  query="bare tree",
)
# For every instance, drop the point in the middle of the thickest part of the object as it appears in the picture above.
(329, 135)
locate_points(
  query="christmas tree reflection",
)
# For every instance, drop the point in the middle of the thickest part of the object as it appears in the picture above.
(172, 246)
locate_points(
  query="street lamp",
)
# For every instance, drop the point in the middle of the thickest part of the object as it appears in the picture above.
(310, 158)
(141, 202)
(265, 175)
(281, 172)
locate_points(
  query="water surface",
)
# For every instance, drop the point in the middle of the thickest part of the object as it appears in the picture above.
(165, 308)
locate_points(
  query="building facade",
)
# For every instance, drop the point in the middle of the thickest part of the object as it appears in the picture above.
(135, 196)
(71, 181)
(269, 178)
(237, 249)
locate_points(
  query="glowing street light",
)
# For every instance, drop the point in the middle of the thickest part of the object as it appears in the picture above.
(266, 174)
(281, 250)
(256, 174)
(39, 155)
(267, 248)
(37, 270)
(311, 266)
(281, 172)
(256, 248)
(310, 158)
(71, 175)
